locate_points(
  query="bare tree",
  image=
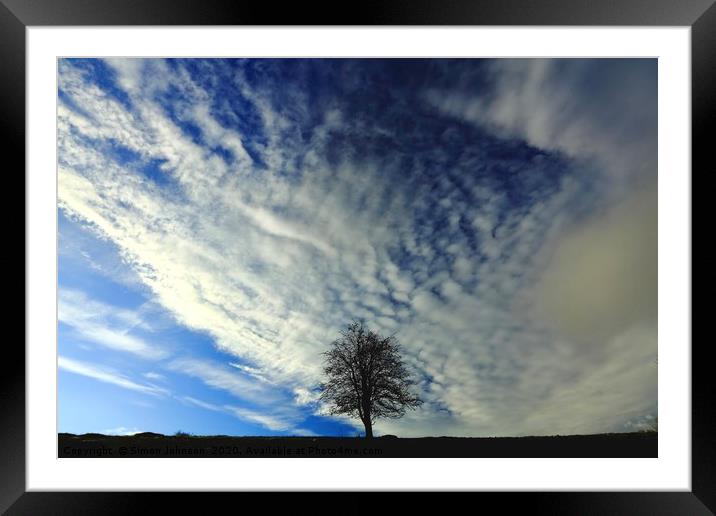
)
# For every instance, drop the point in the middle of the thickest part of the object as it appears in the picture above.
(366, 377)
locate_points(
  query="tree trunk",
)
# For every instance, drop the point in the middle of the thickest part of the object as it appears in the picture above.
(368, 428)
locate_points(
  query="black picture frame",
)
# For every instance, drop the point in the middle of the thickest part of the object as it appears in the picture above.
(16, 15)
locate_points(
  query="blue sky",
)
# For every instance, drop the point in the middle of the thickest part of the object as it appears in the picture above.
(221, 220)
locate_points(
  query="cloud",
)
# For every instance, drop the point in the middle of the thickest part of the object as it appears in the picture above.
(602, 275)
(603, 109)
(199, 403)
(219, 377)
(305, 396)
(98, 373)
(619, 387)
(271, 422)
(121, 430)
(254, 372)
(280, 421)
(105, 325)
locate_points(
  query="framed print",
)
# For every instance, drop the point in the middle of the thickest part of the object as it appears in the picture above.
(266, 250)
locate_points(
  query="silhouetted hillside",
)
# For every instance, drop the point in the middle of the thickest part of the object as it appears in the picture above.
(148, 444)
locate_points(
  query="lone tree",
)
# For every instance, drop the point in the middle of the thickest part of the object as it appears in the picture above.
(366, 377)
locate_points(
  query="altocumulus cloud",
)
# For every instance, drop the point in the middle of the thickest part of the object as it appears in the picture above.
(491, 212)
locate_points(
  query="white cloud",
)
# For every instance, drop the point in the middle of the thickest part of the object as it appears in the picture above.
(121, 430)
(201, 404)
(605, 111)
(105, 325)
(280, 420)
(304, 396)
(269, 421)
(219, 377)
(103, 375)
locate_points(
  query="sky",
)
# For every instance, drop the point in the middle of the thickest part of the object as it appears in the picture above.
(221, 220)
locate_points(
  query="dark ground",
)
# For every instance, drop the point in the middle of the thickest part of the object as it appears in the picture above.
(642, 444)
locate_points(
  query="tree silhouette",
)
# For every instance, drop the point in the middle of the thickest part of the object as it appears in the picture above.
(366, 377)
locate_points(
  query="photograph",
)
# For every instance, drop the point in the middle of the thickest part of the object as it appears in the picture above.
(266, 257)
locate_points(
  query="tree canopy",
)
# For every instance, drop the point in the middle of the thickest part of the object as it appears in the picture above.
(366, 377)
